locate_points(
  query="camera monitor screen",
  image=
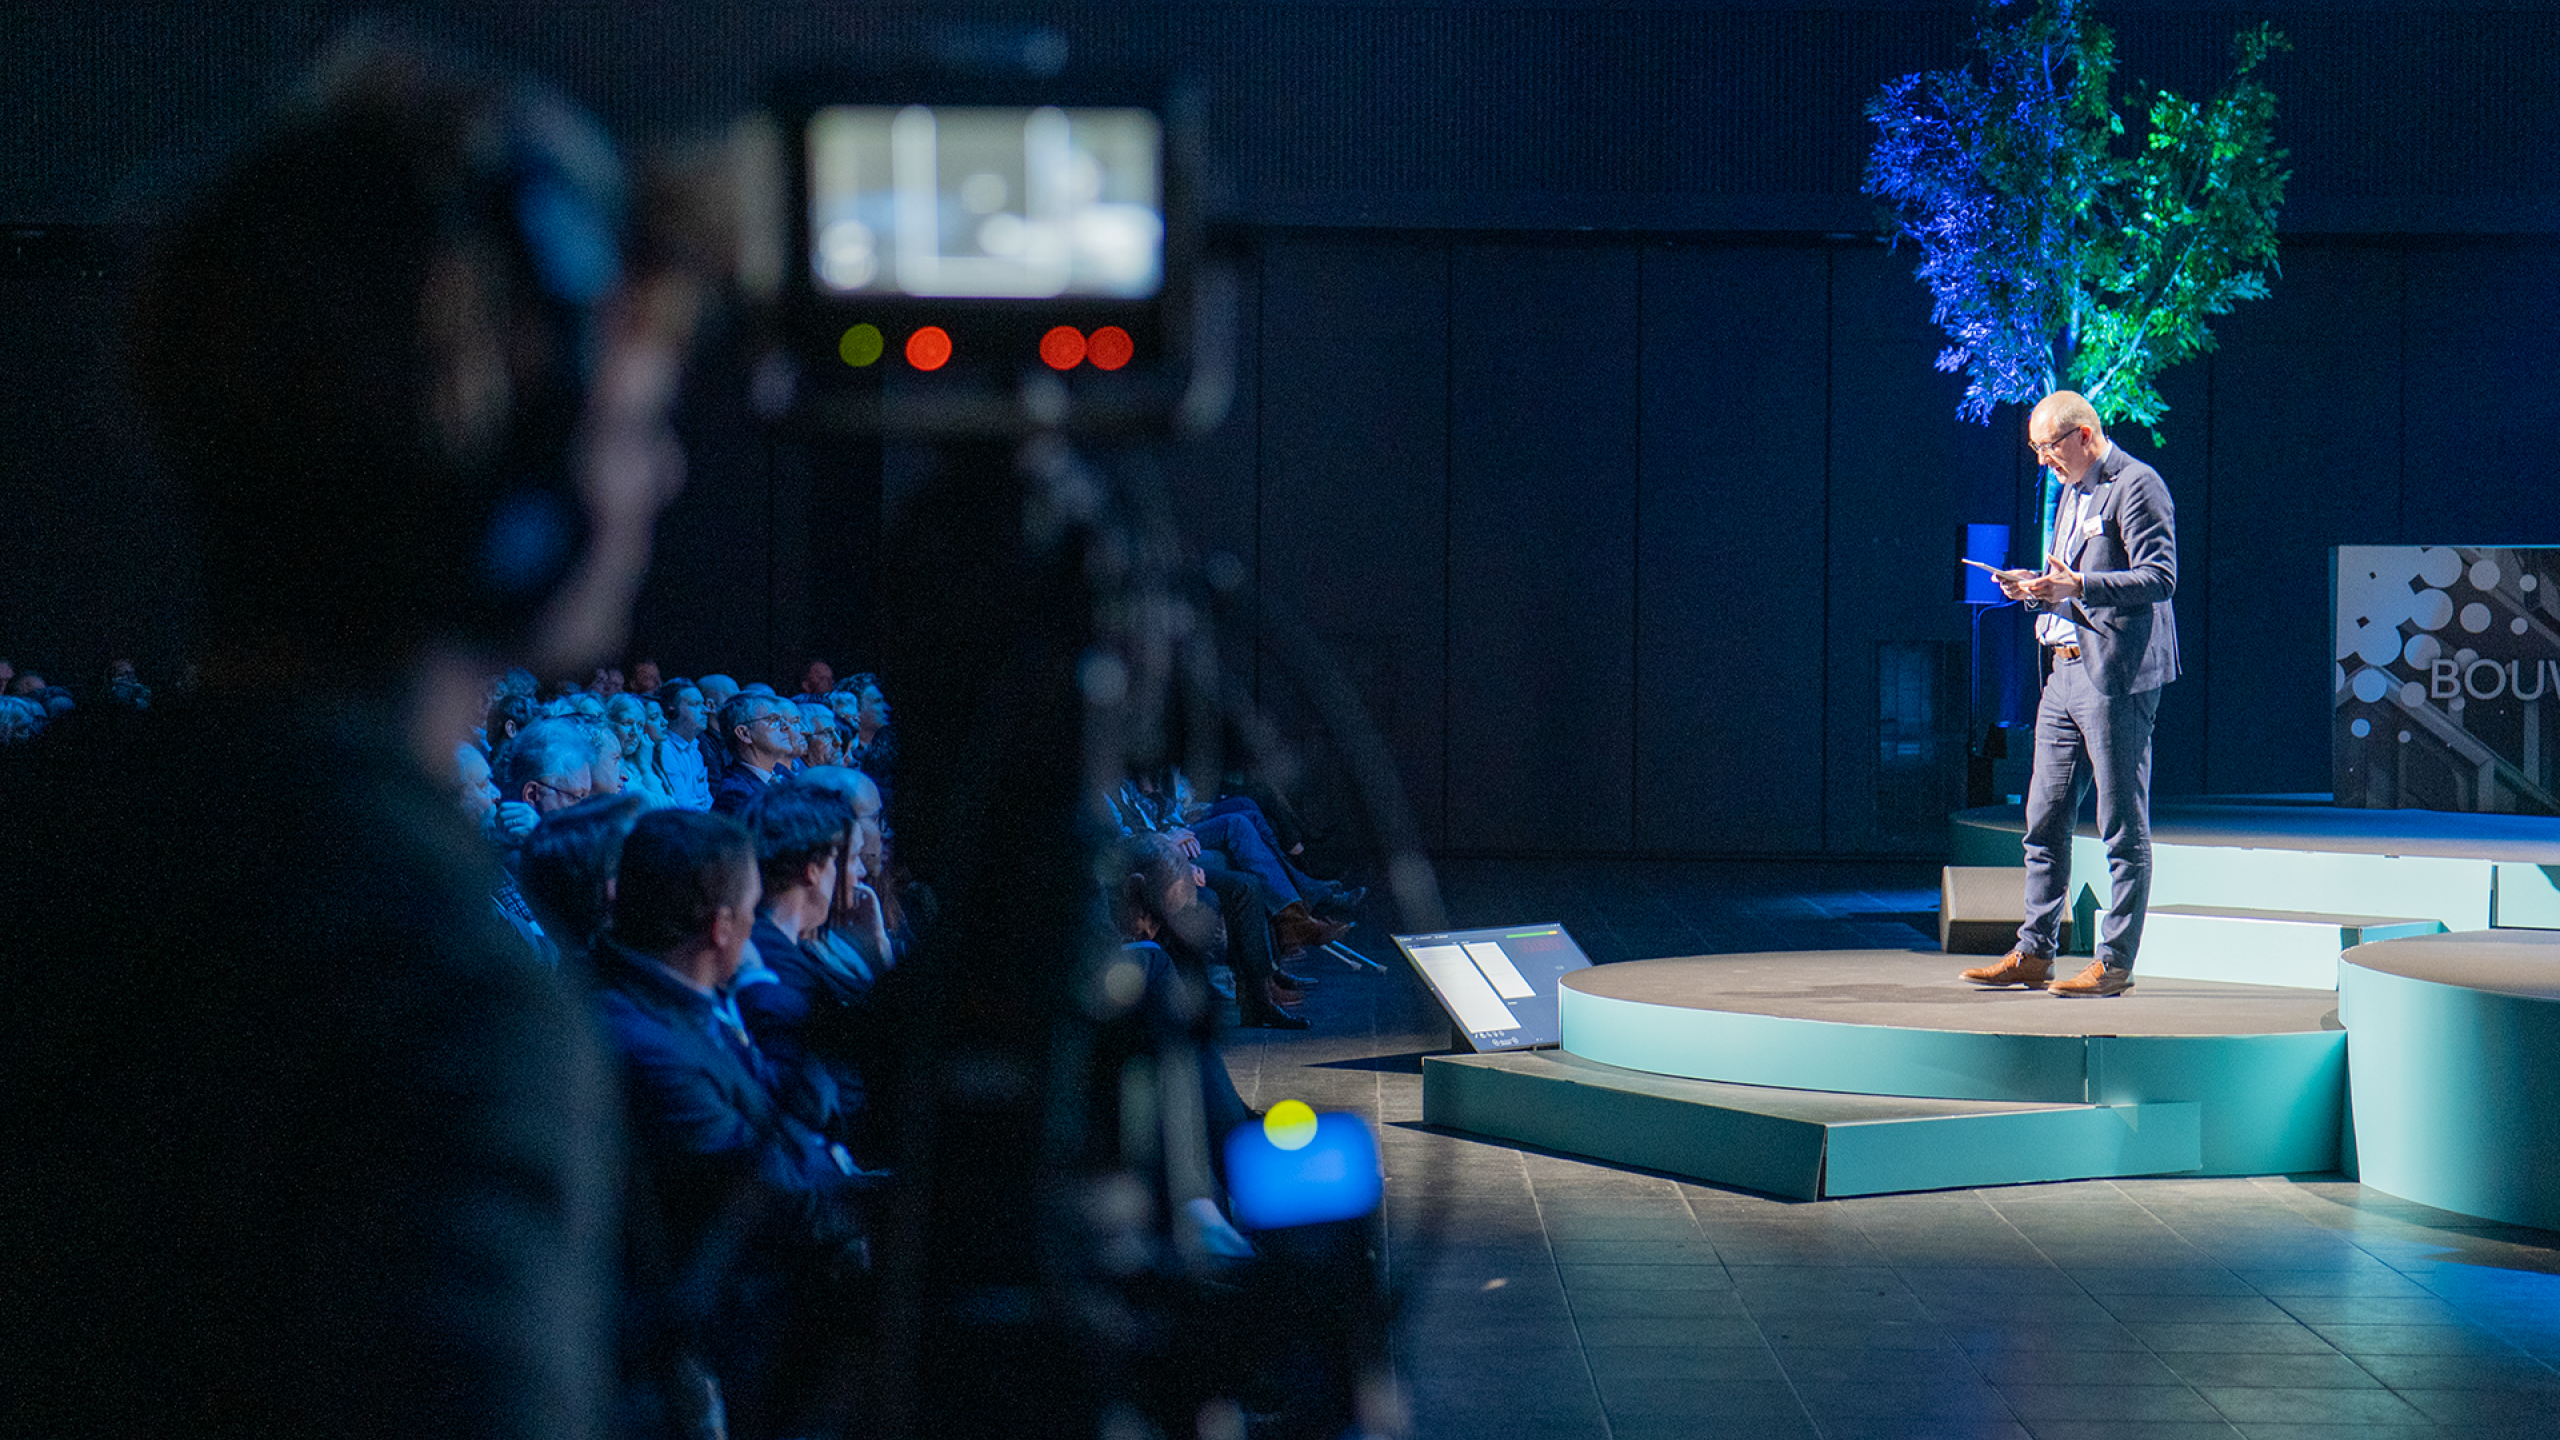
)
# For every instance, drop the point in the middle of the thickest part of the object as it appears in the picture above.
(1499, 985)
(978, 202)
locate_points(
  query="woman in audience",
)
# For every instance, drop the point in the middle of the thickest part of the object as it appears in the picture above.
(639, 770)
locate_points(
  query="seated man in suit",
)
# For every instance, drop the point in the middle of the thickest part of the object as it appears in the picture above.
(730, 1158)
(806, 1003)
(763, 734)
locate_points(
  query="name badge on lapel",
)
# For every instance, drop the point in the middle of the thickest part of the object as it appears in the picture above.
(2093, 527)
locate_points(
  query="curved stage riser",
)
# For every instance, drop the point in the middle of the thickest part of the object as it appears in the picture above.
(2456, 1088)
(2267, 1104)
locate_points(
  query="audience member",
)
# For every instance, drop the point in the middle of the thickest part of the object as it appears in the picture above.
(763, 733)
(683, 759)
(727, 1167)
(1157, 884)
(818, 679)
(566, 870)
(547, 767)
(807, 1009)
(874, 746)
(819, 740)
(509, 713)
(21, 719)
(639, 773)
(479, 792)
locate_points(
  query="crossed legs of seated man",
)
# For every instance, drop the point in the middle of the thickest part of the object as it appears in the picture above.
(2084, 740)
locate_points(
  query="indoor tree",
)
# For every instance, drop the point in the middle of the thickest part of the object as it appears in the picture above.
(2064, 247)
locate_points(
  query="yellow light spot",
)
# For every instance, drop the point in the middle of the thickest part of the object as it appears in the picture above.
(1291, 1124)
(861, 345)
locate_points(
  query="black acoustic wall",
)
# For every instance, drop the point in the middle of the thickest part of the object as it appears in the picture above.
(1647, 508)
(1575, 415)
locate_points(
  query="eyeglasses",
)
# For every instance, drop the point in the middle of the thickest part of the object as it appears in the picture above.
(2045, 449)
(572, 796)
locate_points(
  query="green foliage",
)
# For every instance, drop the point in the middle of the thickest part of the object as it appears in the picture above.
(2062, 251)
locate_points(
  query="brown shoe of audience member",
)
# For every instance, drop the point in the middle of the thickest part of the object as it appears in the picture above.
(1293, 929)
(2015, 968)
(2093, 983)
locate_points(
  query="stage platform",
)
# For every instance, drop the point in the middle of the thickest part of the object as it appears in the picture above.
(2278, 926)
(2267, 890)
(2187, 1076)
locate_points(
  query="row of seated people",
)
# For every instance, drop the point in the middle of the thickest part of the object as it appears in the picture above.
(702, 745)
(736, 966)
(1264, 912)
(29, 702)
(1253, 907)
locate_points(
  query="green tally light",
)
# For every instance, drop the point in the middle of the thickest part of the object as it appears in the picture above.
(861, 345)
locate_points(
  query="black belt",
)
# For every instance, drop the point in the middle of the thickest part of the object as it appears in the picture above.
(2066, 652)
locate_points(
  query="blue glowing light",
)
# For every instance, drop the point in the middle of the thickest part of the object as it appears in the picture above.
(1333, 1176)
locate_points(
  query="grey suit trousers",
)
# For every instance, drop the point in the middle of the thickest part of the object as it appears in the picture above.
(2085, 739)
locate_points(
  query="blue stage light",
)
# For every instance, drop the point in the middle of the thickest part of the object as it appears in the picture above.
(1988, 544)
(1331, 1174)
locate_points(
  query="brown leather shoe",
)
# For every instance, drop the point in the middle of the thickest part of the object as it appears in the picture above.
(2015, 968)
(1293, 929)
(2094, 982)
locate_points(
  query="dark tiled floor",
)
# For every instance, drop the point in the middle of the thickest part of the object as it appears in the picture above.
(1543, 1295)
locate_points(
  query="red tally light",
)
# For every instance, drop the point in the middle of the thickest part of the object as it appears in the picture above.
(1110, 348)
(929, 348)
(1062, 348)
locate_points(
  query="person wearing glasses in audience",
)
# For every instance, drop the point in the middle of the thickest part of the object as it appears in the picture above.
(763, 734)
(2109, 641)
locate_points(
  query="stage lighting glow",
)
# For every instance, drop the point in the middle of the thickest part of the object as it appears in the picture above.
(1332, 1174)
(929, 348)
(861, 345)
(1062, 348)
(1110, 348)
(1291, 1125)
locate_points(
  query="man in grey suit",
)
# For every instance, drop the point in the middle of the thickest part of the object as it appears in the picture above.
(2110, 641)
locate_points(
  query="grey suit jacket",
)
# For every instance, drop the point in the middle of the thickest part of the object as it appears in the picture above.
(2124, 545)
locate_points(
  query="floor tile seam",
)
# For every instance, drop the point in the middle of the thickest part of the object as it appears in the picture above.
(1970, 1361)
(1794, 1391)
(1572, 1317)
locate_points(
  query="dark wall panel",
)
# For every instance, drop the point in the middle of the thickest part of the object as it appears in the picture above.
(1354, 484)
(2306, 455)
(1728, 630)
(96, 563)
(2484, 384)
(1904, 476)
(2184, 457)
(1542, 553)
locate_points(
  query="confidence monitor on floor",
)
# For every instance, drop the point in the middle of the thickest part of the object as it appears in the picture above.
(1498, 985)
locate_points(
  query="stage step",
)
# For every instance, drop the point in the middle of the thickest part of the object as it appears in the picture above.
(1980, 908)
(1809, 1144)
(2294, 948)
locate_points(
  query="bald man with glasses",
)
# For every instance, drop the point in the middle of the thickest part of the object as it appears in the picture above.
(2109, 641)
